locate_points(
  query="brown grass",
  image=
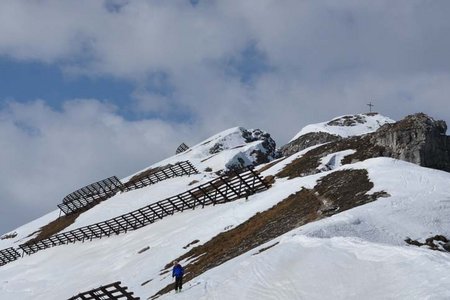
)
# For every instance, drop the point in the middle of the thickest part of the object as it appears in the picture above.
(346, 189)
(55, 227)
(310, 161)
(271, 164)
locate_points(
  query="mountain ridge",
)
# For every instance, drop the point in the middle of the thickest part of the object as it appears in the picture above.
(417, 197)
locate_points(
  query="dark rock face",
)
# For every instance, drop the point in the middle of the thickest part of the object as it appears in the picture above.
(262, 155)
(268, 143)
(418, 139)
(347, 121)
(308, 140)
(437, 242)
(270, 147)
(218, 147)
(447, 246)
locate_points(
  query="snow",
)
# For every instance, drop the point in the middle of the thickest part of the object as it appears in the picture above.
(116, 258)
(333, 160)
(199, 155)
(356, 254)
(301, 267)
(418, 206)
(370, 123)
(27, 231)
(123, 203)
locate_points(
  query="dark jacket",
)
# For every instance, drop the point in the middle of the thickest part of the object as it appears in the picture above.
(177, 271)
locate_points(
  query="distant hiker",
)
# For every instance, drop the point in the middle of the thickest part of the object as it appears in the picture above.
(178, 273)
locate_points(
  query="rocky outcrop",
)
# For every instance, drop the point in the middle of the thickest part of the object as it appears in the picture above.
(418, 139)
(351, 120)
(437, 242)
(263, 153)
(269, 145)
(306, 141)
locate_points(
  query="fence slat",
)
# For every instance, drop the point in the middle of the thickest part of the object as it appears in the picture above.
(113, 291)
(220, 190)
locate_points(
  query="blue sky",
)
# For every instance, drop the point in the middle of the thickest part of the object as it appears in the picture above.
(91, 89)
(28, 81)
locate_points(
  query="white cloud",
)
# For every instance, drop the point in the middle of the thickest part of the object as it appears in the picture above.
(46, 154)
(326, 58)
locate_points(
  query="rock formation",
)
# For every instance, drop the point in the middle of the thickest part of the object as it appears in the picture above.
(418, 139)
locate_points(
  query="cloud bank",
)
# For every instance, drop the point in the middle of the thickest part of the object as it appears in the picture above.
(202, 66)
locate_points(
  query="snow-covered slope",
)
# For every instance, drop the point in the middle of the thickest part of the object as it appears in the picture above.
(358, 253)
(301, 267)
(366, 240)
(348, 125)
(231, 148)
(235, 147)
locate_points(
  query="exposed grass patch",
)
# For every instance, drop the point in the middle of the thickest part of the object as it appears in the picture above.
(55, 226)
(341, 190)
(271, 164)
(310, 161)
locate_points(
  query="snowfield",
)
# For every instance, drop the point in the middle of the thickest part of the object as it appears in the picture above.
(357, 254)
(301, 267)
(364, 123)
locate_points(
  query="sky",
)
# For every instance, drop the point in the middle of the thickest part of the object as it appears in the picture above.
(91, 89)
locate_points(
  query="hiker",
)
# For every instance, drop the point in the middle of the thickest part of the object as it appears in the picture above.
(177, 272)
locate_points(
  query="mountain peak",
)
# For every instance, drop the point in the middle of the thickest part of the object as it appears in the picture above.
(347, 125)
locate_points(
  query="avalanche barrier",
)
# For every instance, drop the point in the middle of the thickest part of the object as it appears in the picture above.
(183, 147)
(153, 176)
(8, 255)
(234, 185)
(92, 194)
(111, 291)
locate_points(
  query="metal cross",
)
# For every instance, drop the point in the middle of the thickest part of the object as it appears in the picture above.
(370, 106)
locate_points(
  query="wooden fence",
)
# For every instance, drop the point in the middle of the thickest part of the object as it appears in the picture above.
(8, 255)
(94, 193)
(153, 176)
(183, 147)
(111, 291)
(90, 195)
(226, 188)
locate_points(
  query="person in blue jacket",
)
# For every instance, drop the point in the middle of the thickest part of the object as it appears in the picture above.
(178, 273)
